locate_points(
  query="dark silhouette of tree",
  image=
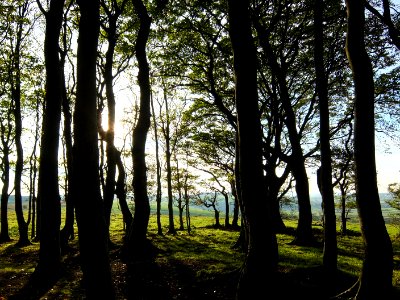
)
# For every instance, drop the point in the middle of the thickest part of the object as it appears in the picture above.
(92, 228)
(325, 171)
(262, 249)
(113, 13)
(136, 242)
(67, 232)
(48, 190)
(296, 160)
(343, 175)
(375, 280)
(158, 169)
(5, 148)
(210, 201)
(166, 131)
(33, 169)
(386, 19)
(15, 73)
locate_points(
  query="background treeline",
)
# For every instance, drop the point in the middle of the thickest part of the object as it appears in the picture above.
(118, 99)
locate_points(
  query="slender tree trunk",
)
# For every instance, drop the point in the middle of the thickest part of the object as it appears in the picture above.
(137, 236)
(226, 197)
(158, 174)
(120, 191)
(187, 198)
(33, 172)
(330, 242)
(216, 215)
(49, 253)
(376, 275)
(262, 250)
(5, 137)
(273, 193)
(67, 231)
(180, 198)
(235, 218)
(16, 98)
(343, 214)
(110, 147)
(171, 225)
(5, 178)
(92, 228)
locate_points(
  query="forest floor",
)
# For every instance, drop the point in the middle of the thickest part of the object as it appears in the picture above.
(202, 265)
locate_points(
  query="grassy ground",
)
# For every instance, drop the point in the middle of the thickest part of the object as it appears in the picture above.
(202, 265)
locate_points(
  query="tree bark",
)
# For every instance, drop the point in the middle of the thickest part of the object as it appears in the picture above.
(67, 232)
(49, 253)
(167, 137)
(5, 179)
(137, 242)
(111, 151)
(158, 168)
(376, 275)
(330, 242)
(16, 98)
(86, 185)
(262, 250)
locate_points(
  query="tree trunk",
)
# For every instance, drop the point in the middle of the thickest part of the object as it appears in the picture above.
(235, 218)
(49, 253)
(111, 154)
(330, 242)
(86, 185)
(274, 184)
(376, 275)
(171, 225)
(343, 214)
(16, 98)
(304, 235)
(33, 173)
(187, 198)
(180, 198)
(120, 191)
(262, 250)
(158, 173)
(137, 236)
(5, 178)
(67, 232)
(226, 197)
(6, 143)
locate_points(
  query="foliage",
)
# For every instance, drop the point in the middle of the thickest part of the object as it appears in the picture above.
(394, 190)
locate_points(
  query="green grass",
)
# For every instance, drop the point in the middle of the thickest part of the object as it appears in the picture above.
(203, 262)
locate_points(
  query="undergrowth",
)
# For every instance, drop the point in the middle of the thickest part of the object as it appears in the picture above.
(199, 265)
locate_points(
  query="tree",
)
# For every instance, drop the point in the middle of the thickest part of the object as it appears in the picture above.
(262, 249)
(280, 72)
(166, 131)
(375, 280)
(5, 148)
(136, 242)
(343, 174)
(85, 183)
(210, 200)
(23, 9)
(326, 187)
(158, 169)
(112, 13)
(67, 232)
(49, 195)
